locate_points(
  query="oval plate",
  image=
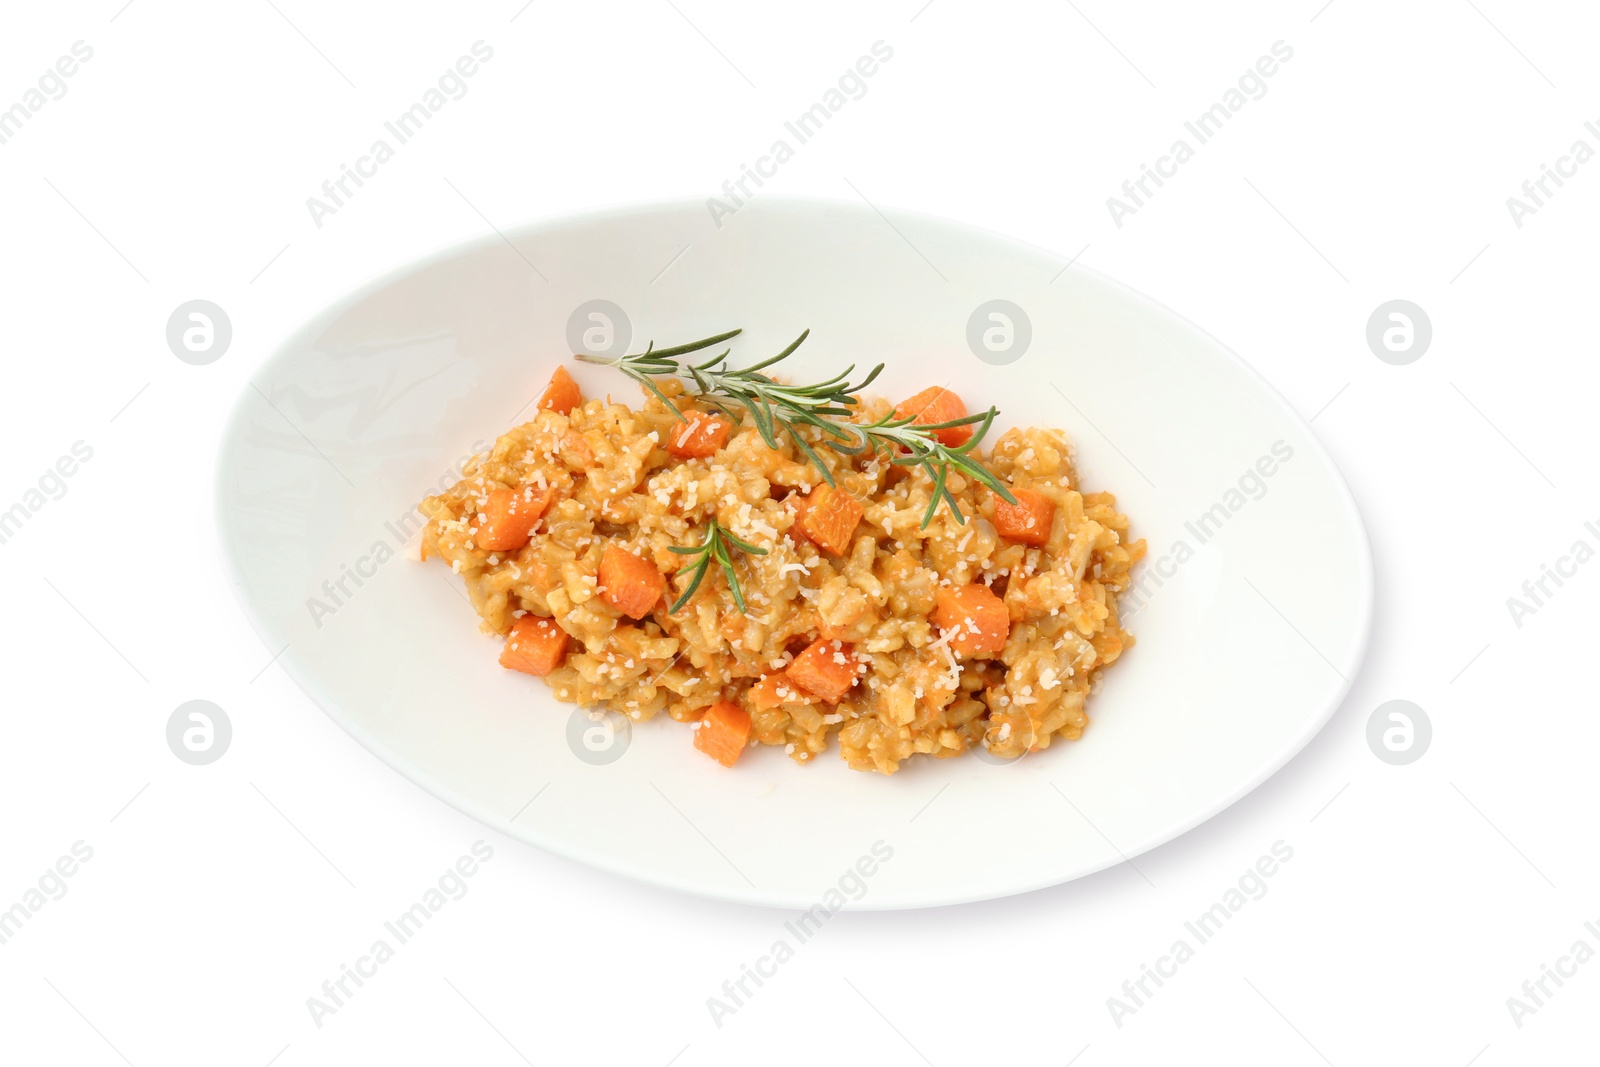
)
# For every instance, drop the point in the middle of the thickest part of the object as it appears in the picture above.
(1251, 617)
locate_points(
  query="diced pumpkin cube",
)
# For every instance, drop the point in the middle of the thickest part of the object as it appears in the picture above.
(796, 503)
(723, 732)
(935, 405)
(764, 694)
(826, 669)
(977, 617)
(541, 574)
(562, 394)
(509, 516)
(575, 452)
(732, 625)
(829, 518)
(534, 646)
(701, 436)
(776, 689)
(630, 583)
(1028, 520)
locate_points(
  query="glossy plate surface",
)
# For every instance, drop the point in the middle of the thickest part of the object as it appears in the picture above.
(1252, 618)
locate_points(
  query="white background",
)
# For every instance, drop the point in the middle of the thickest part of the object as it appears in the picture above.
(1377, 166)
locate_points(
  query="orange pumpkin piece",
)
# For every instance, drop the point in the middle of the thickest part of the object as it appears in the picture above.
(629, 583)
(534, 646)
(776, 689)
(1028, 520)
(723, 732)
(797, 507)
(541, 574)
(561, 394)
(765, 693)
(829, 517)
(826, 669)
(935, 405)
(979, 619)
(701, 436)
(509, 516)
(575, 452)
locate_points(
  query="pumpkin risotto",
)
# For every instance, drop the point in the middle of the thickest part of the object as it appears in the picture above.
(857, 621)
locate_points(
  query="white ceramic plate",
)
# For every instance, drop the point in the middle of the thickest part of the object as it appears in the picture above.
(1253, 621)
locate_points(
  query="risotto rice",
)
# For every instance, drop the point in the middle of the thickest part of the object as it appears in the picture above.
(901, 640)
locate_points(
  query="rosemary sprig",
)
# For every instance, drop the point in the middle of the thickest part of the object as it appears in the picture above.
(645, 367)
(828, 406)
(920, 448)
(714, 546)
